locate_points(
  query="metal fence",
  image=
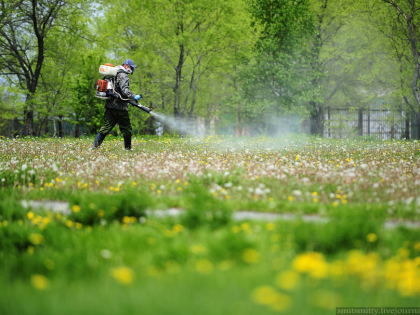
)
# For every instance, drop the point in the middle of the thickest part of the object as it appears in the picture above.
(379, 123)
(49, 128)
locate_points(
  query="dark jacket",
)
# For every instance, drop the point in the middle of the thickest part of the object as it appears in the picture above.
(122, 87)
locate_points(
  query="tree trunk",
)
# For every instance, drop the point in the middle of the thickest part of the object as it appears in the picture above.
(46, 127)
(15, 127)
(316, 120)
(77, 131)
(60, 126)
(418, 127)
(177, 89)
(28, 129)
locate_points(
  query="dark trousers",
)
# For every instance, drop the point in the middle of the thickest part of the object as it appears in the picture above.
(113, 117)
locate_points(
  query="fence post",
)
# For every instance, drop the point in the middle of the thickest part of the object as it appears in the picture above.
(369, 122)
(329, 123)
(360, 122)
(407, 126)
(392, 128)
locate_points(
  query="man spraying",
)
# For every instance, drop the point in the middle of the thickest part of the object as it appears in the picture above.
(116, 109)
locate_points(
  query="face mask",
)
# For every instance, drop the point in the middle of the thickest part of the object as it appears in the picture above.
(132, 70)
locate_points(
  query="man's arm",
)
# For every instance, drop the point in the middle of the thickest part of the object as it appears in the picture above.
(125, 87)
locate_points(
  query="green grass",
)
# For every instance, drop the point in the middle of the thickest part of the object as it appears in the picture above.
(108, 257)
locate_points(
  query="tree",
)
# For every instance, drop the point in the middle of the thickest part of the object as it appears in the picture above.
(277, 80)
(402, 18)
(25, 27)
(179, 44)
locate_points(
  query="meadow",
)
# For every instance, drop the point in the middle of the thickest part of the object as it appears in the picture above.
(107, 252)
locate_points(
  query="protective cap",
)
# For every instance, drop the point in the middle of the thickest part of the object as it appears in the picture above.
(129, 62)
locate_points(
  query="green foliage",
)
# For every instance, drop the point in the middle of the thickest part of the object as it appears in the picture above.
(277, 79)
(87, 108)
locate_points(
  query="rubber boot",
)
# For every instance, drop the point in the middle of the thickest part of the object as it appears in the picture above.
(98, 140)
(127, 143)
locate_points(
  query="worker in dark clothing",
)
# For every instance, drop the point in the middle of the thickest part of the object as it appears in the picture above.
(116, 109)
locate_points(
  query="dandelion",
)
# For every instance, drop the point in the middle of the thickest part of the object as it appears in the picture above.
(75, 208)
(288, 280)
(39, 282)
(290, 198)
(235, 229)
(30, 215)
(204, 266)
(36, 238)
(267, 295)
(371, 237)
(178, 228)
(250, 256)
(123, 275)
(270, 226)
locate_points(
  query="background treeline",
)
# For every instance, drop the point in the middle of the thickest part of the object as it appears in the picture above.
(242, 64)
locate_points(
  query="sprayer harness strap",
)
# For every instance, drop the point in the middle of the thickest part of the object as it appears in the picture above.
(114, 91)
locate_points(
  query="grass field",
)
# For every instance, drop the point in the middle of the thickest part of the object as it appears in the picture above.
(107, 256)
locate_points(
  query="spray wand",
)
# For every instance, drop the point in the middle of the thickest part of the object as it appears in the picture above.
(138, 105)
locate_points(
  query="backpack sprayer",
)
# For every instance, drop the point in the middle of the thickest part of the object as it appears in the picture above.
(105, 89)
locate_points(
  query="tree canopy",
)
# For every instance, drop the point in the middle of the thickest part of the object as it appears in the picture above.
(243, 64)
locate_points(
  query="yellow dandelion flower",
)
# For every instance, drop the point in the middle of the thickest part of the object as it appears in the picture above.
(178, 228)
(288, 280)
(30, 215)
(75, 208)
(371, 237)
(123, 275)
(270, 226)
(36, 238)
(251, 256)
(235, 229)
(290, 198)
(30, 250)
(39, 282)
(204, 266)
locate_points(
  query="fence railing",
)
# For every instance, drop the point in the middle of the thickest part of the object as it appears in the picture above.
(379, 123)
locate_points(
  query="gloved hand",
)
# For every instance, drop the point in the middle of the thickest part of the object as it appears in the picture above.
(137, 97)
